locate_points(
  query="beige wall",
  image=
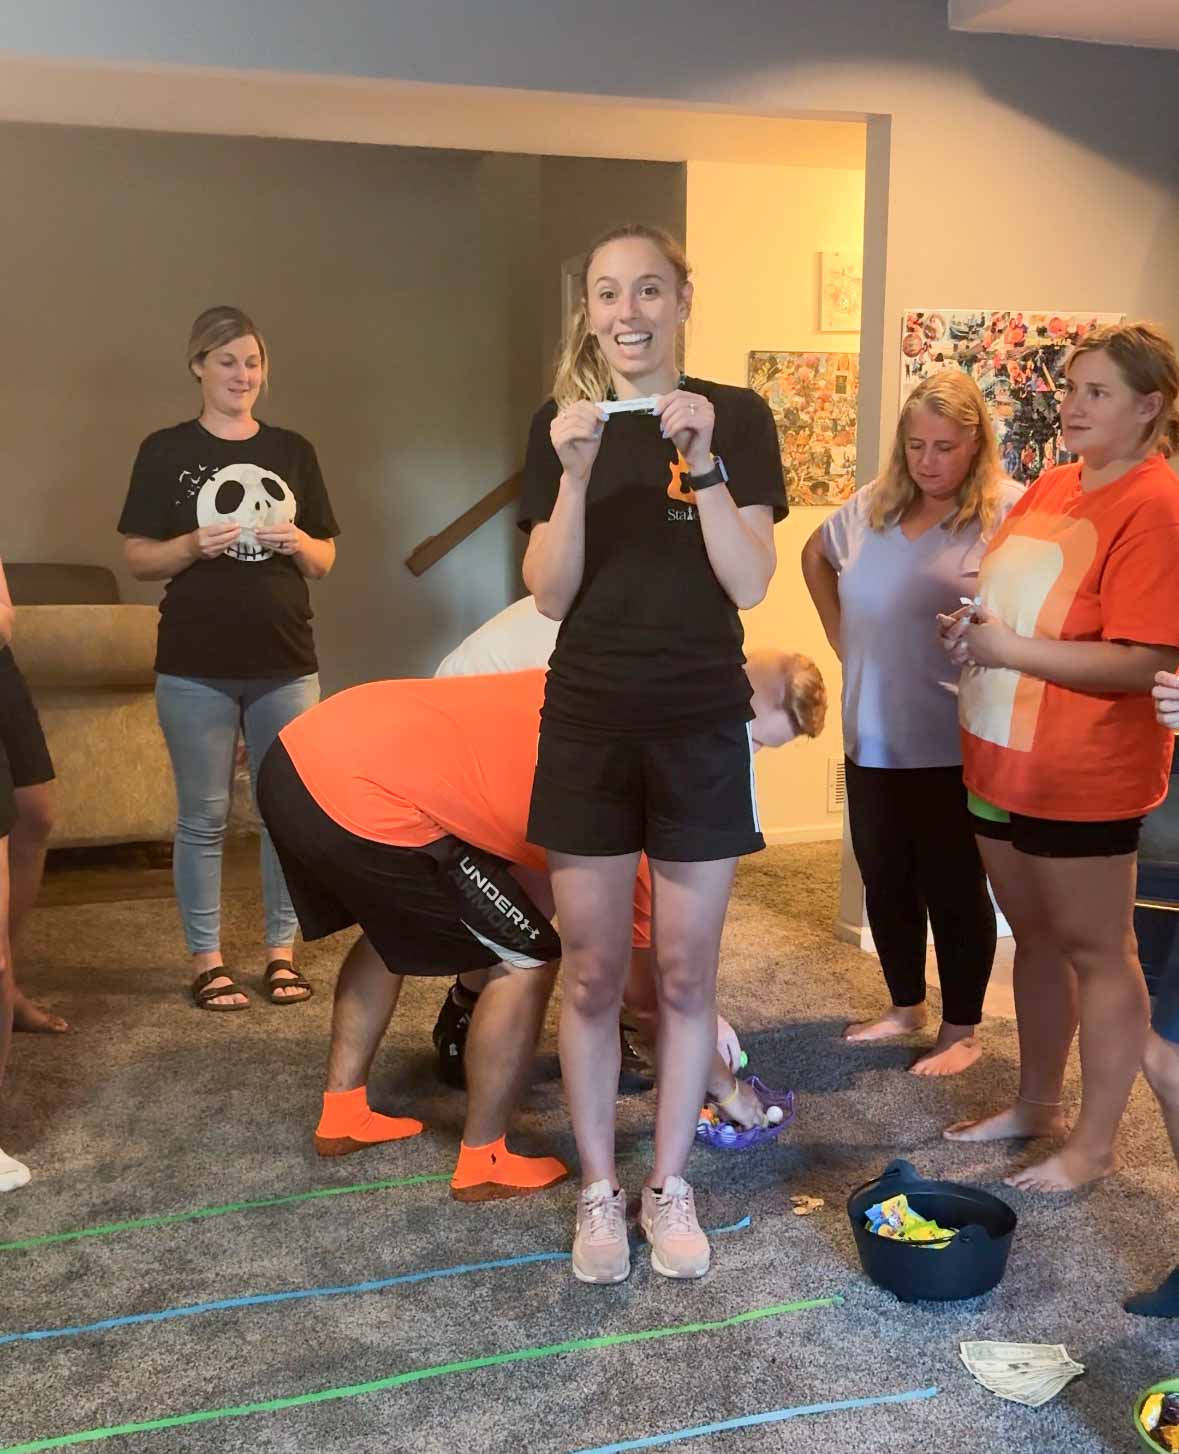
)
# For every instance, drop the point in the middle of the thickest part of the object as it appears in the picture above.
(754, 236)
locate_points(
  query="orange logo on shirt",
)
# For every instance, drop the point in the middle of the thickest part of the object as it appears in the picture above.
(675, 487)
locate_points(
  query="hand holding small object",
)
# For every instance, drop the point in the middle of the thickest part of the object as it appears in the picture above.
(576, 435)
(1166, 699)
(688, 421)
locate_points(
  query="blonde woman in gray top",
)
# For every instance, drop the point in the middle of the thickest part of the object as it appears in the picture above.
(879, 570)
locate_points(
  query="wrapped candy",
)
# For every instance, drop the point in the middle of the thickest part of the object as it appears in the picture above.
(896, 1219)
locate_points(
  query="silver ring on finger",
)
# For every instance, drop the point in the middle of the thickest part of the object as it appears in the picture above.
(691, 408)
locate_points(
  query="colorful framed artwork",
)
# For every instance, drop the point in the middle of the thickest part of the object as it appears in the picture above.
(1016, 357)
(813, 398)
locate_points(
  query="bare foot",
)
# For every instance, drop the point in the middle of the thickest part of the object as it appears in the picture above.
(950, 1056)
(898, 1021)
(34, 1020)
(1021, 1121)
(1068, 1170)
(291, 992)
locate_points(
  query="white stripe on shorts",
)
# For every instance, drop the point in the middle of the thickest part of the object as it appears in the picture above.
(752, 780)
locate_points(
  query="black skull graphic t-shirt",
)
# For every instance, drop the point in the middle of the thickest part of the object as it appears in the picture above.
(246, 613)
(652, 643)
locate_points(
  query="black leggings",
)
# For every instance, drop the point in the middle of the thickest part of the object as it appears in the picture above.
(913, 841)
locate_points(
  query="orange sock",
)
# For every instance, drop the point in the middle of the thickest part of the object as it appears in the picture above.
(490, 1172)
(349, 1124)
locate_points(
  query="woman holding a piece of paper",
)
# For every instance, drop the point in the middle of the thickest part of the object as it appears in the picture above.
(649, 528)
(879, 569)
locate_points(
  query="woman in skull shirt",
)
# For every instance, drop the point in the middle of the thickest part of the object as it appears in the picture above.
(232, 513)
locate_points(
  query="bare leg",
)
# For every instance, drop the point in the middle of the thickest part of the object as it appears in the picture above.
(1045, 1009)
(366, 996)
(1161, 1064)
(1089, 906)
(594, 899)
(505, 1027)
(690, 901)
(13, 1173)
(27, 845)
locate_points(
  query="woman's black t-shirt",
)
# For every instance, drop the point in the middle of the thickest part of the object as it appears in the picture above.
(247, 613)
(652, 643)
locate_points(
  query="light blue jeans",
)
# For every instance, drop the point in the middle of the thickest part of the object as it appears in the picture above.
(200, 718)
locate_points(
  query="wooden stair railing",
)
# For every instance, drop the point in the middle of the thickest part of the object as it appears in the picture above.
(434, 547)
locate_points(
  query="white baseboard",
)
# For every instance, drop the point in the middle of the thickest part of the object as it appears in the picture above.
(808, 833)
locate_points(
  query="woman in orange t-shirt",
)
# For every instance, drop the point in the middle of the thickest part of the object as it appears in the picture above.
(1078, 609)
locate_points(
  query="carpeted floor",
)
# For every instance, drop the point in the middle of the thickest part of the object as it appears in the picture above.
(151, 1109)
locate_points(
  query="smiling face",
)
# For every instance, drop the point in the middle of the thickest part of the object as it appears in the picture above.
(635, 304)
(1101, 416)
(231, 376)
(938, 452)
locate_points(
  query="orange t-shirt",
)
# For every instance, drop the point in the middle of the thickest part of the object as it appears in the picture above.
(407, 762)
(1070, 564)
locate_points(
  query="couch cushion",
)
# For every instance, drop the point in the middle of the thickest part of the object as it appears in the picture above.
(37, 584)
(86, 646)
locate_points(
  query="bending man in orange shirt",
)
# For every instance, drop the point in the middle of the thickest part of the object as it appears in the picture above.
(373, 798)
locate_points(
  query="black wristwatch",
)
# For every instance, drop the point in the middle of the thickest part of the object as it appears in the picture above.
(717, 475)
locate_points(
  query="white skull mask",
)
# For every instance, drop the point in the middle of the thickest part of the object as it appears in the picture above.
(249, 496)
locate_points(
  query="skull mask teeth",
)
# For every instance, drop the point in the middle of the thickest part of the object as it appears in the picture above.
(248, 496)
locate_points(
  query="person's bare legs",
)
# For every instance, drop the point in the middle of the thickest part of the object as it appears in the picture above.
(690, 900)
(13, 1173)
(501, 1047)
(366, 996)
(27, 846)
(1089, 906)
(1160, 1063)
(1045, 1009)
(595, 898)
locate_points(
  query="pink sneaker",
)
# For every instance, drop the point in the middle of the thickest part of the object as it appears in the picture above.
(601, 1250)
(668, 1219)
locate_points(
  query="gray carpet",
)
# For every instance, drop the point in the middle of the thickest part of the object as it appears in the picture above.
(151, 1108)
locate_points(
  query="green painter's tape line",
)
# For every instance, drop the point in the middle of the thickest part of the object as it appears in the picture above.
(398, 1380)
(299, 1196)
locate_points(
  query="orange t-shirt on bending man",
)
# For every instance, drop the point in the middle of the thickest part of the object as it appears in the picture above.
(408, 762)
(1070, 564)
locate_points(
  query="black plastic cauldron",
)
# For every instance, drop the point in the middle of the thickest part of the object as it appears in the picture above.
(971, 1263)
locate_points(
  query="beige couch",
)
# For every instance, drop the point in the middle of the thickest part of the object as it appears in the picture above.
(88, 658)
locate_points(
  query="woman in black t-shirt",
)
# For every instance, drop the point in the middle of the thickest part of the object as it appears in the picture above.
(233, 514)
(644, 542)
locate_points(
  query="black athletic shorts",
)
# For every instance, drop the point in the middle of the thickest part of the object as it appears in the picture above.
(685, 799)
(1056, 838)
(20, 727)
(7, 796)
(336, 879)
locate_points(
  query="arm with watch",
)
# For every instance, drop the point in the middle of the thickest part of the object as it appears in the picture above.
(739, 539)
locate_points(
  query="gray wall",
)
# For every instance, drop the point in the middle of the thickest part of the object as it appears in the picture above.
(402, 293)
(1018, 171)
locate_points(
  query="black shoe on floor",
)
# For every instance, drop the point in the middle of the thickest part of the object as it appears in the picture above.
(450, 1037)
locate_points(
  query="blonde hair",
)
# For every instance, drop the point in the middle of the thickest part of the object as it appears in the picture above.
(951, 394)
(798, 688)
(582, 372)
(216, 327)
(1145, 358)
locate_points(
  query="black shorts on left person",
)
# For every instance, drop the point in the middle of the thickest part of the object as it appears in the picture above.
(680, 799)
(7, 796)
(336, 879)
(20, 727)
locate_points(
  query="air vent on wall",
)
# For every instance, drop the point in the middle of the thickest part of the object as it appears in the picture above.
(836, 785)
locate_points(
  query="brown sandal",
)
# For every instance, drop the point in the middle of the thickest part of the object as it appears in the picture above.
(204, 994)
(297, 982)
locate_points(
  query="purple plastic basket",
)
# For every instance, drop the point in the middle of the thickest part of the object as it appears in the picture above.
(754, 1135)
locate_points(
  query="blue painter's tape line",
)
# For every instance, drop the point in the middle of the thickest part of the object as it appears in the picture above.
(752, 1421)
(261, 1299)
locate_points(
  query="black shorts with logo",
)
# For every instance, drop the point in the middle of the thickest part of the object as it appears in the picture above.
(683, 799)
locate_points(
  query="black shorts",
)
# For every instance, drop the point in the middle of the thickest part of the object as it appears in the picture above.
(7, 796)
(1058, 838)
(337, 879)
(687, 799)
(20, 728)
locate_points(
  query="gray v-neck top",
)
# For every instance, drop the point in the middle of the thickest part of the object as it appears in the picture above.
(890, 589)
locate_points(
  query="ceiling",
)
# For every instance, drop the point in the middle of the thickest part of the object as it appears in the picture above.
(1152, 23)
